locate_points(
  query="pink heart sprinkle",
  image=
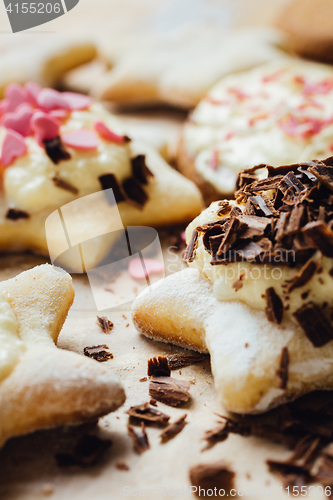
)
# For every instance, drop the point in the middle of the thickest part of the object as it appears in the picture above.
(15, 95)
(45, 127)
(13, 147)
(82, 139)
(76, 101)
(61, 114)
(33, 90)
(3, 107)
(19, 120)
(138, 272)
(49, 99)
(107, 134)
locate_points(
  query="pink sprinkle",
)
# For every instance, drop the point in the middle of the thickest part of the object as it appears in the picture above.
(214, 161)
(239, 94)
(19, 120)
(330, 147)
(229, 136)
(45, 126)
(49, 99)
(217, 102)
(15, 95)
(82, 139)
(61, 114)
(107, 134)
(33, 90)
(77, 101)
(13, 147)
(139, 272)
(183, 236)
(3, 106)
(273, 76)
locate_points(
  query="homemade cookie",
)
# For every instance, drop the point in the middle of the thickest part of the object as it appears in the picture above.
(179, 66)
(40, 58)
(275, 114)
(61, 150)
(258, 293)
(40, 385)
(309, 26)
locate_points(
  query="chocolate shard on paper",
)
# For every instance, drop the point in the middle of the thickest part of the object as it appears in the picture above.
(158, 367)
(86, 453)
(169, 391)
(173, 429)
(56, 150)
(316, 326)
(177, 361)
(98, 352)
(274, 306)
(139, 437)
(303, 276)
(16, 214)
(283, 373)
(105, 324)
(290, 473)
(147, 413)
(62, 184)
(213, 475)
(140, 170)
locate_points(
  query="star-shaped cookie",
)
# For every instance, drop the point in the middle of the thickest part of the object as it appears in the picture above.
(257, 295)
(66, 161)
(42, 386)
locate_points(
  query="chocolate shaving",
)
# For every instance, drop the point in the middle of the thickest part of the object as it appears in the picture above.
(291, 474)
(86, 453)
(105, 324)
(325, 471)
(169, 391)
(261, 205)
(147, 413)
(323, 173)
(98, 352)
(15, 214)
(214, 475)
(239, 282)
(274, 307)
(140, 170)
(316, 326)
(177, 361)
(109, 181)
(135, 194)
(56, 150)
(224, 208)
(191, 248)
(173, 429)
(158, 367)
(62, 184)
(321, 236)
(283, 373)
(303, 276)
(140, 438)
(122, 466)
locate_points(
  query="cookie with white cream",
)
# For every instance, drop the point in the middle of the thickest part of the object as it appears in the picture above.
(274, 114)
(257, 294)
(59, 147)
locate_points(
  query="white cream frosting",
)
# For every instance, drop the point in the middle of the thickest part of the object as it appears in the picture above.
(258, 277)
(11, 347)
(248, 118)
(28, 181)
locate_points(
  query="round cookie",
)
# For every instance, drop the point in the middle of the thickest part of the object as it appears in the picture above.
(309, 26)
(276, 114)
